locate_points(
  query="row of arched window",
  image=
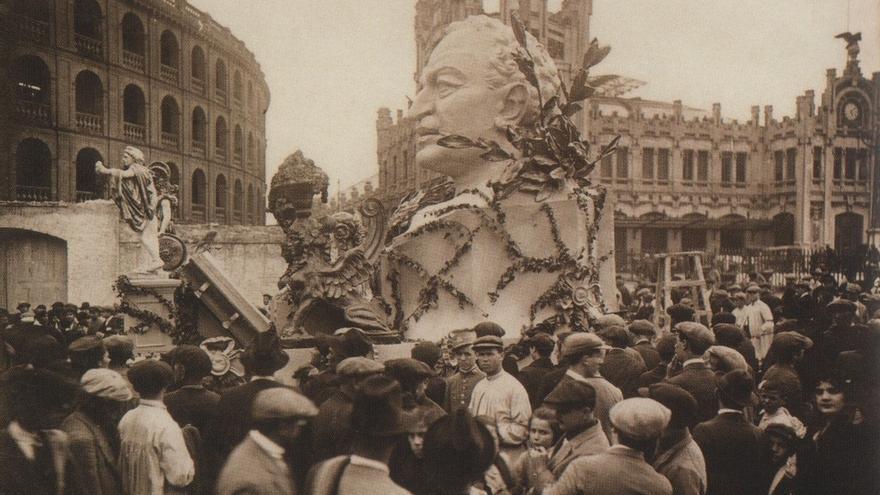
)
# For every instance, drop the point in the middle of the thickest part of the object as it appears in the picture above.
(32, 80)
(34, 182)
(89, 40)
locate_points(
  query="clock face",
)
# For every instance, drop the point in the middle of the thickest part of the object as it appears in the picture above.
(851, 111)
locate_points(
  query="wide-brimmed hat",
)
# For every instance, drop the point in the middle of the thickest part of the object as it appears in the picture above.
(265, 351)
(378, 408)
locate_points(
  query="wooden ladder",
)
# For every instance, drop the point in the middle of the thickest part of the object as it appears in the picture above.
(694, 283)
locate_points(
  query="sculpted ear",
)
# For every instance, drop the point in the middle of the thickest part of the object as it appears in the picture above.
(516, 105)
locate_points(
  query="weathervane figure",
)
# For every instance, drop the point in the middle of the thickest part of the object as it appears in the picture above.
(852, 48)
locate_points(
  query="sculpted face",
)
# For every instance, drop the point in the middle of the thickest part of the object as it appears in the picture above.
(457, 98)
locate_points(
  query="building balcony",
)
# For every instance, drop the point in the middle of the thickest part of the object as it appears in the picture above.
(236, 216)
(170, 139)
(90, 123)
(236, 158)
(198, 85)
(199, 148)
(134, 61)
(89, 47)
(198, 212)
(220, 153)
(33, 113)
(220, 214)
(237, 101)
(220, 95)
(134, 132)
(851, 185)
(33, 193)
(168, 73)
(82, 196)
(32, 30)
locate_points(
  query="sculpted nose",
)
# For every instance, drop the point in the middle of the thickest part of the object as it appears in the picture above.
(423, 105)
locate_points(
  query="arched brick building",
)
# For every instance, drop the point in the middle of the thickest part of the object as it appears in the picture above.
(88, 77)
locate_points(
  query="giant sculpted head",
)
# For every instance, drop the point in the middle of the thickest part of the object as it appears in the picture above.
(472, 87)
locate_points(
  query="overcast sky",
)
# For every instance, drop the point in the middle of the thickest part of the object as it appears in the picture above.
(330, 64)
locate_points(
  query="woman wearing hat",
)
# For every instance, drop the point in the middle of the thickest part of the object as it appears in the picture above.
(840, 452)
(92, 430)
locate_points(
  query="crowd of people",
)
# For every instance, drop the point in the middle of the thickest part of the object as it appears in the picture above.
(777, 395)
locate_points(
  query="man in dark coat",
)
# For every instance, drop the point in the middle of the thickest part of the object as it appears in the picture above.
(696, 377)
(644, 333)
(461, 385)
(666, 351)
(261, 360)
(191, 404)
(735, 450)
(430, 353)
(346, 343)
(623, 365)
(540, 349)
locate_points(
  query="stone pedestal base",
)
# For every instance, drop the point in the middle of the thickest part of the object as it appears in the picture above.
(153, 340)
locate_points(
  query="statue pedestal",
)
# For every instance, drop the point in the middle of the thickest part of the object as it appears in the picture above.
(469, 252)
(153, 339)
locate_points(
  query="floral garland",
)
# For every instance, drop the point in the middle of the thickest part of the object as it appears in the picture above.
(180, 334)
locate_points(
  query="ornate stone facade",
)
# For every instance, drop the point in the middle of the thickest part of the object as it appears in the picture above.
(89, 77)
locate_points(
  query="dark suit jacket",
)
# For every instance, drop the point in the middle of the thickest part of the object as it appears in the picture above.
(331, 428)
(92, 457)
(230, 425)
(736, 455)
(700, 381)
(192, 406)
(532, 378)
(649, 354)
(250, 470)
(623, 367)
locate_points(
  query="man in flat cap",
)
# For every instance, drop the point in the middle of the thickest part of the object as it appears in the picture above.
(843, 335)
(622, 468)
(332, 434)
(510, 362)
(623, 365)
(734, 449)
(696, 377)
(584, 354)
(258, 465)
(499, 395)
(679, 458)
(541, 347)
(574, 403)
(461, 385)
(345, 343)
(759, 321)
(644, 334)
(679, 313)
(191, 403)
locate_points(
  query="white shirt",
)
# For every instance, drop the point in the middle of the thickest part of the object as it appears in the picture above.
(152, 451)
(503, 398)
(760, 320)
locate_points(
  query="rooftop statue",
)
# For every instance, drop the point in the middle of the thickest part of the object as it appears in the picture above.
(327, 282)
(514, 235)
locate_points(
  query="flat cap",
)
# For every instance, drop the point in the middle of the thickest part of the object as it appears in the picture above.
(753, 288)
(615, 335)
(680, 312)
(853, 288)
(579, 342)
(789, 340)
(488, 342)
(281, 403)
(121, 342)
(407, 369)
(734, 288)
(720, 293)
(106, 384)
(610, 319)
(426, 352)
(728, 334)
(644, 291)
(729, 358)
(358, 366)
(461, 338)
(841, 306)
(542, 342)
(695, 332)
(84, 344)
(679, 401)
(643, 327)
(488, 328)
(640, 418)
(572, 393)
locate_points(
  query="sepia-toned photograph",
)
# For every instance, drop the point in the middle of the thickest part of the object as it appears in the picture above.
(439, 247)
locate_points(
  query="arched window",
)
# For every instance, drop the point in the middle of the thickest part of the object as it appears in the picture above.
(199, 195)
(220, 193)
(237, 88)
(251, 151)
(198, 72)
(133, 114)
(220, 83)
(37, 14)
(89, 102)
(170, 122)
(199, 130)
(237, 144)
(33, 171)
(169, 57)
(86, 182)
(88, 21)
(237, 201)
(220, 132)
(251, 204)
(33, 96)
(134, 49)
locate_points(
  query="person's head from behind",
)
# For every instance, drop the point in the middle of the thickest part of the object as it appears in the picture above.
(458, 451)
(377, 417)
(541, 346)
(106, 395)
(264, 356)
(638, 423)
(735, 390)
(281, 415)
(40, 351)
(544, 428)
(666, 347)
(87, 353)
(680, 403)
(42, 398)
(151, 379)
(120, 349)
(191, 364)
